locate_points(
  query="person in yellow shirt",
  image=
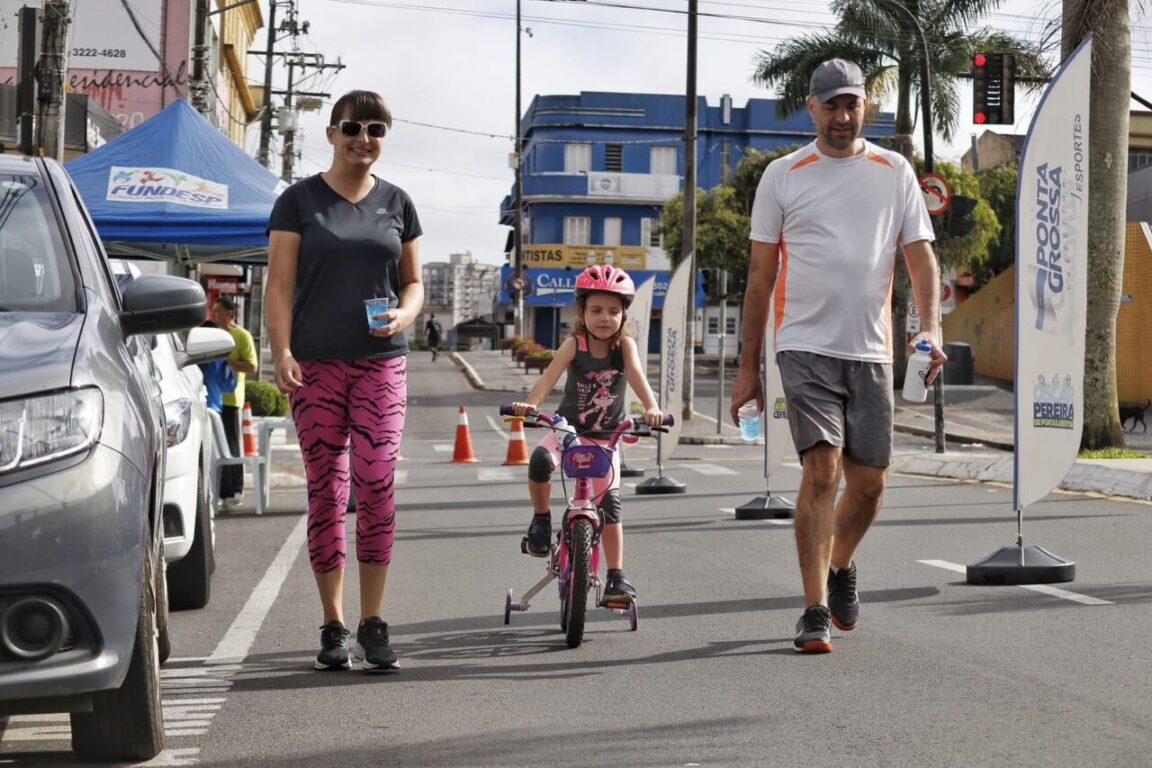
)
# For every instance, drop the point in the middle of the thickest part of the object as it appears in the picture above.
(243, 362)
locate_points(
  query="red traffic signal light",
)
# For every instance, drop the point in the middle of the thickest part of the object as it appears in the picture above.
(993, 89)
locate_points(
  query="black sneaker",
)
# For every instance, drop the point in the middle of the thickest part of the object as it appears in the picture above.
(618, 586)
(538, 542)
(813, 631)
(333, 647)
(843, 600)
(377, 654)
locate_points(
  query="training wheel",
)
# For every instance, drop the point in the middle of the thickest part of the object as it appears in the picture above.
(508, 607)
(633, 616)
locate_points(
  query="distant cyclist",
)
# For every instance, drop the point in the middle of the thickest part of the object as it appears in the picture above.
(432, 336)
(600, 360)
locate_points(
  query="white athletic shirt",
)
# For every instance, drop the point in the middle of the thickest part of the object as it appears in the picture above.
(838, 222)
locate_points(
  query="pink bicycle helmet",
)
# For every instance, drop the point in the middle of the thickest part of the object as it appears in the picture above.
(606, 279)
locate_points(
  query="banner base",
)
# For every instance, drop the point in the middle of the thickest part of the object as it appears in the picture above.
(766, 508)
(660, 485)
(1021, 565)
(628, 470)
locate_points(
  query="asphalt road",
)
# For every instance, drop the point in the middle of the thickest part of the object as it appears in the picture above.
(939, 673)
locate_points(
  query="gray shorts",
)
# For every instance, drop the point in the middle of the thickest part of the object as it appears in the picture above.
(846, 403)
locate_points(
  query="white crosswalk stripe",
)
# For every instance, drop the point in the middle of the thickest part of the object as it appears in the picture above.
(497, 475)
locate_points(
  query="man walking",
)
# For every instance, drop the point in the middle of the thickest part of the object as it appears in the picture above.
(432, 336)
(243, 362)
(827, 222)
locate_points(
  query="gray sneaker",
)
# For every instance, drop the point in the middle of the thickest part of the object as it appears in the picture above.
(333, 647)
(376, 652)
(813, 631)
(843, 600)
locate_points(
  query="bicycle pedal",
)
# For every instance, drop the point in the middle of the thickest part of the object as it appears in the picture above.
(617, 602)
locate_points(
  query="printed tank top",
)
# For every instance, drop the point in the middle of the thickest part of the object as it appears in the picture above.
(593, 399)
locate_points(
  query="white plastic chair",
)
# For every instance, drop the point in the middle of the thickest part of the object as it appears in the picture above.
(222, 457)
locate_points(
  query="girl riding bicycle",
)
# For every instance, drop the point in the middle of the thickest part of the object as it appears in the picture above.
(600, 359)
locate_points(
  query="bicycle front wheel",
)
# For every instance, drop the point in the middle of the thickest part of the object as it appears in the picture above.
(579, 559)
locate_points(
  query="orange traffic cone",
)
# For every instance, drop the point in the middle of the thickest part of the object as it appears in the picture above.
(248, 432)
(517, 445)
(463, 452)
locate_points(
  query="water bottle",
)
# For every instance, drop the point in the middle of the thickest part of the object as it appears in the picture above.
(749, 414)
(915, 389)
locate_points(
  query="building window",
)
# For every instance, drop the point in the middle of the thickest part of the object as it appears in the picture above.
(612, 227)
(576, 230)
(614, 158)
(649, 238)
(730, 325)
(713, 325)
(1139, 158)
(725, 162)
(577, 158)
(663, 160)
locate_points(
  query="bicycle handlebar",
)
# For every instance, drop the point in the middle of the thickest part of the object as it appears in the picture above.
(634, 424)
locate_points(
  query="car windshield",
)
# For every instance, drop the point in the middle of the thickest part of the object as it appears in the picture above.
(35, 270)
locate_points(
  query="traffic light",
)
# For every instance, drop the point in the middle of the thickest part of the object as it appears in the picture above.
(993, 88)
(960, 221)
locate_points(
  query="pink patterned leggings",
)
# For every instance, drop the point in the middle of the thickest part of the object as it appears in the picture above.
(349, 417)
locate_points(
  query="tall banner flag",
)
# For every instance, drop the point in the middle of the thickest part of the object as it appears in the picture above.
(1051, 309)
(673, 330)
(1051, 282)
(777, 435)
(639, 321)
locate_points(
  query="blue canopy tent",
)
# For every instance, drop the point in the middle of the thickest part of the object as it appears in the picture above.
(175, 188)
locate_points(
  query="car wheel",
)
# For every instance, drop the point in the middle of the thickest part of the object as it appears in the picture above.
(190, 577)
(127, 724)
(163, 639)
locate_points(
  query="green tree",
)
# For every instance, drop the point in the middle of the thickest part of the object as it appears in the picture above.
(721, 229)
(971, 251)
(998, 188)
(886, 44)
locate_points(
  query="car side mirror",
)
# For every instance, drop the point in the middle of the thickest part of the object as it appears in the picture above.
(205, 345)
(162, 304)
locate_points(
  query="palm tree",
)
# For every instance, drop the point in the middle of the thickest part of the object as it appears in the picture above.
(1111, 87)
(886, 44)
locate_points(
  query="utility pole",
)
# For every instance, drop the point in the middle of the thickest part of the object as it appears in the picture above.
(263, 156)
(518, 205)
(26, 79)
(50, 74)
(198, 86)
(689, 245)
(296, 101)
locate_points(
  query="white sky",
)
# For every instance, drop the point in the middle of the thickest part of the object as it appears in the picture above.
(451, 64)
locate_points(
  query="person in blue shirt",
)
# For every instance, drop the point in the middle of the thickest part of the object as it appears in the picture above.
(219, 378)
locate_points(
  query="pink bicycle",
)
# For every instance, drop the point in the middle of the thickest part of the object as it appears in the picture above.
(576, 557)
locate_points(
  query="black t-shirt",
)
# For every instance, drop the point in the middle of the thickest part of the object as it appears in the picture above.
(348, 253)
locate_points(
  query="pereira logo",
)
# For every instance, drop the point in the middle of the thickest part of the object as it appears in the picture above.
(1053, 402)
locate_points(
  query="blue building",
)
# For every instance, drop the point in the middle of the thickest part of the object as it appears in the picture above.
(599, 167)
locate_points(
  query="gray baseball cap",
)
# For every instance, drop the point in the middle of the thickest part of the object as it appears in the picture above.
(835, 77)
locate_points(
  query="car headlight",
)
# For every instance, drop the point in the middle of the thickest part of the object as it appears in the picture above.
(177, 418)
(35, 430)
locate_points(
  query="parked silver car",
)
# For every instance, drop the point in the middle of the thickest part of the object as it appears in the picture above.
(81, 470)
(188, 517)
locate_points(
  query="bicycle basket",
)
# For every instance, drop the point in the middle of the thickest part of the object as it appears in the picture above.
(587, 461)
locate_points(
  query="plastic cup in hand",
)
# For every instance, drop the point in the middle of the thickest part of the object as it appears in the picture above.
(375, 307)
(749, 414)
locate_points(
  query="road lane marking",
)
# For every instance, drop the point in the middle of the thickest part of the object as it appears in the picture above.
(1043, 589)
(238, 640)
(495, 475)
(710, 469)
